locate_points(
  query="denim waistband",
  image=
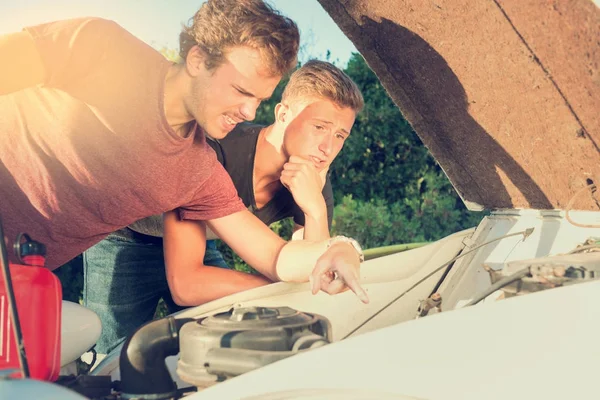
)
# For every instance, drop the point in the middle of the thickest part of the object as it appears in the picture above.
(130, 235)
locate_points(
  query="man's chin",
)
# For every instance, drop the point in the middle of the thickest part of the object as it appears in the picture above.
(218, 133)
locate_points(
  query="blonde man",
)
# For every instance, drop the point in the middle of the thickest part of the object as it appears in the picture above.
(279, 171)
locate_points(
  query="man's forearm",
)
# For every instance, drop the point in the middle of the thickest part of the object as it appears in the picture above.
(264, 250)
(316, 226)
(297, 259)
(202, 284)
(333, 266)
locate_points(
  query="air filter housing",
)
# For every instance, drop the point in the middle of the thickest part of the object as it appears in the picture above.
(245, 338)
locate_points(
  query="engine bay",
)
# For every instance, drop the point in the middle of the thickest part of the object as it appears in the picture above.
(213, 343)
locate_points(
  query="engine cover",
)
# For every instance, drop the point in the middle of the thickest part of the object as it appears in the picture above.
(245, 338)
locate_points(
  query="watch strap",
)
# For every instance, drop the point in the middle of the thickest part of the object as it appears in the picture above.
(353, 242)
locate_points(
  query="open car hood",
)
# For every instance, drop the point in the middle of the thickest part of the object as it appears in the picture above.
(504, 93)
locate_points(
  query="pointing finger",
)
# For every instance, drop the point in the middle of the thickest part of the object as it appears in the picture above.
(358, 290)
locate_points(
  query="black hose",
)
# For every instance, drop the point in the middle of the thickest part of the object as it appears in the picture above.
(499, 285)
(144, 373)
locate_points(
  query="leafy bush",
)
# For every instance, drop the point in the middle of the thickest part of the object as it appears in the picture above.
(375, 223)
(383, 158)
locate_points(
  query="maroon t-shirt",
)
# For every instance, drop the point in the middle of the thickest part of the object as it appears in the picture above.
(90, 151)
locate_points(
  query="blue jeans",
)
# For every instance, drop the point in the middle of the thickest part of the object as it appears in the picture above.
(124, 279)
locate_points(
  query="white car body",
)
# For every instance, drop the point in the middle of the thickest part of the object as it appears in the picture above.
(537, 344)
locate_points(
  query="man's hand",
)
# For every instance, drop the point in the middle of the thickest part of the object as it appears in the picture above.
(305, 183)
(337, 270)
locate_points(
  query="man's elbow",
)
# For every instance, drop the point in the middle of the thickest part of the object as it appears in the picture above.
(189, 291)
(180, 296)
(183, 294)
(182, 300)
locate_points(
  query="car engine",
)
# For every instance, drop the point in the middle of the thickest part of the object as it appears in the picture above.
(211, 349)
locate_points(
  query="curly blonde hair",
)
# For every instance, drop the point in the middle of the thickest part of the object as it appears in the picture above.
(221, 24)
(326, 81)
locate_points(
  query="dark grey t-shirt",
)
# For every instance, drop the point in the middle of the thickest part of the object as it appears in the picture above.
(236, 152)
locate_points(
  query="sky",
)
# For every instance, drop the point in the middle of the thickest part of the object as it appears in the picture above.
(158, 22)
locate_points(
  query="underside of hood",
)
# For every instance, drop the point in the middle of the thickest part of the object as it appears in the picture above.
(504, 93)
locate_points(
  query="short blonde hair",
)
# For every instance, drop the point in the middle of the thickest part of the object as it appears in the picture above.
(221, 24)
(323, 80)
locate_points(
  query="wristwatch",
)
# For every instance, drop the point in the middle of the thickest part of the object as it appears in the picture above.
(345, 239)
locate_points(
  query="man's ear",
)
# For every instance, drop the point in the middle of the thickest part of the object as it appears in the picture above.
(194, 62)
(281, 113)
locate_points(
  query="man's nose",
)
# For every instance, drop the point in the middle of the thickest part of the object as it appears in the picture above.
(326, 145)
(248, 109)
